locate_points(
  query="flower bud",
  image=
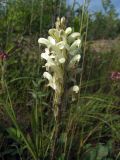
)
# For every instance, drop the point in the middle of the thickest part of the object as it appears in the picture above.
(63, 20)
(74, 60)
(75, 45)
(73, 37)
(55, 34)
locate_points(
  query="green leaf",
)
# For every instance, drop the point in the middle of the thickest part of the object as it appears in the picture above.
(102, 152)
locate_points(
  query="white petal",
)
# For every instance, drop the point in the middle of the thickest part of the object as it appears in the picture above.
(73, 61)
(63, 20)
(77, 43)
(54, 33)
(76, 58)
(45, 56)
(43, 41)
(47, 75)
(68, 30)
(49, 64)
(52, 83)
(73, 37)
(47, 51)
(52, 41)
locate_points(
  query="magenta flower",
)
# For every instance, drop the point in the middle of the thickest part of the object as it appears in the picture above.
(115, 75)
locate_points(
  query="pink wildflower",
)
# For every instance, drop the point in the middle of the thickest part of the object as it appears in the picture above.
(115, 75)
(3, 55)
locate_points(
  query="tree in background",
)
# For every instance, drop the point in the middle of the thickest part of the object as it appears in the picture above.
(104, 25)
(34, 17)
(28, 17)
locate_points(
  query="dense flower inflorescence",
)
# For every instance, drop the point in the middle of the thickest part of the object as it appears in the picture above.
(61, 53)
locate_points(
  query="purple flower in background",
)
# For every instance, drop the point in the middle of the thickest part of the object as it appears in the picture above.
(3, 55)
(115, 75)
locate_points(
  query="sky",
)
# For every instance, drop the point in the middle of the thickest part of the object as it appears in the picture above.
(96, 5)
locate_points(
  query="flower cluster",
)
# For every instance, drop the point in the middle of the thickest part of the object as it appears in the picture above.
(61, 54)
(115, 76)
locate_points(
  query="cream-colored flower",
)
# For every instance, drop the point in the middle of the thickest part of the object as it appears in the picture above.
(55, 34)
(68, 30)
(62, 20)
(47, 51)
(75, 89)
(74, 60)
(47, 55)
(49, 64)
(47, 75)
(43, 41)
(51, 40)
(63, 45)
(73, 37)
(51, 80)
(52, 84)
(77, 43)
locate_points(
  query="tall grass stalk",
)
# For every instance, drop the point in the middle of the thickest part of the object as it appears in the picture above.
(84, 21)
(41, 15)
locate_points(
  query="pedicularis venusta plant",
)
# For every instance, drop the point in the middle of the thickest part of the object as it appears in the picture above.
(62, 55)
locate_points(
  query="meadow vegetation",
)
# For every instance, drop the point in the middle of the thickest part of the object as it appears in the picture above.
(77, 118)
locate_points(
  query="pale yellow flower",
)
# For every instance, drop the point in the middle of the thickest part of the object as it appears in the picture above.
(68, 30)
(43, 41)
(75, 89)
(74, 60)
